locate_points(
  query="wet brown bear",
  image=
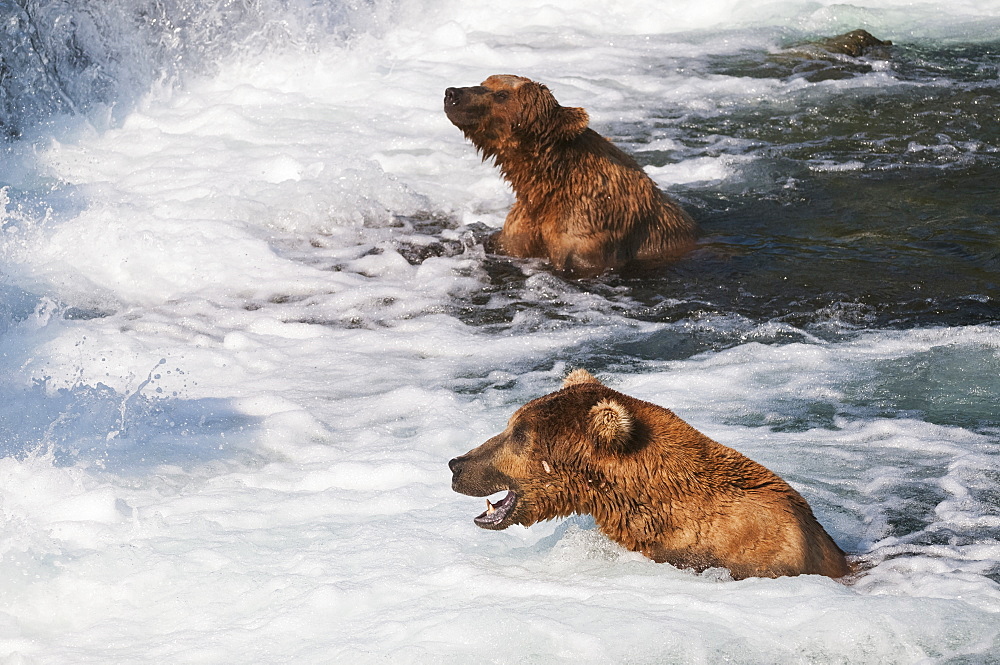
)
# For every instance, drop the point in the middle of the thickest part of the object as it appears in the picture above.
(653, 483)
(581, 202)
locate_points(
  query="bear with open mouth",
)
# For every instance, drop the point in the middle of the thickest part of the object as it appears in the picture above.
(653, 484)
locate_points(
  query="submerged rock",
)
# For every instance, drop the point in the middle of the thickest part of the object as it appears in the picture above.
(856, 43)
(837, 57)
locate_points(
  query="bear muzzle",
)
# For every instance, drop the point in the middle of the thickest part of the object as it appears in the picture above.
(475, 475)
(464, 106)
(476, 478)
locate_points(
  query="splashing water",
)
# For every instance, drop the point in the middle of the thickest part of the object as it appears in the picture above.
(246, 317)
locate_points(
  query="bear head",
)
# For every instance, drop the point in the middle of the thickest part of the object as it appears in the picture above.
(554, 456)
(505, 111)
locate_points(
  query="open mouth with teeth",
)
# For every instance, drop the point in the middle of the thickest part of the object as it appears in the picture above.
(498, 515)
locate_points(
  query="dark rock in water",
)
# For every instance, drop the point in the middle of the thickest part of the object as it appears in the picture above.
(856, 43)
(844, 56)
(834, 57)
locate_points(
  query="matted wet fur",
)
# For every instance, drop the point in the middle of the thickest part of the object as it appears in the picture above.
(653, 483)
(581, 202)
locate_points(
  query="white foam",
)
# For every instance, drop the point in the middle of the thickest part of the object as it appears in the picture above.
(702, 170)
(245, 460)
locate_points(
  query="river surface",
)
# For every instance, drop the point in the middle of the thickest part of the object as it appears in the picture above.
(246, 318)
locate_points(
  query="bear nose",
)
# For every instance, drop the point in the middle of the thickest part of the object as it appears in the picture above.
(454, 464)
(451, 95)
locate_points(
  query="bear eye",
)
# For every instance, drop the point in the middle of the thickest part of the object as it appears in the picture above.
(501, 95)
(519, 436)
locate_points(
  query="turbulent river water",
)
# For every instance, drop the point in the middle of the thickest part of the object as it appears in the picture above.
(246, 318)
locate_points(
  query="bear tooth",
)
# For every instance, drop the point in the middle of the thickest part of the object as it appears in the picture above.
(489, 508)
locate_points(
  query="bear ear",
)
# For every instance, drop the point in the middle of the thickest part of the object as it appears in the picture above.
(571, 122)
(611, 425)
(578, 376)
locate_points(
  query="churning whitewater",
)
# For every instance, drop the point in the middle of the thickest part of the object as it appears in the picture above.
(247, 317)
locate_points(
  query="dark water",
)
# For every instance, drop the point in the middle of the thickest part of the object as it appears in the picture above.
(896, 248)
(862, 207)
(906, 236)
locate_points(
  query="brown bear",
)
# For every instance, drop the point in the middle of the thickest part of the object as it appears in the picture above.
(581, 202)
(653, 484)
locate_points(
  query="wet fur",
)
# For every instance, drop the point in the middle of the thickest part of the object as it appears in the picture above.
(658, 486)
(581, 202)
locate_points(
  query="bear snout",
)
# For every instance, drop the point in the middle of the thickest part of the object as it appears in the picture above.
(464, 106)
(456, 96)
(457, 465)
(475, 476)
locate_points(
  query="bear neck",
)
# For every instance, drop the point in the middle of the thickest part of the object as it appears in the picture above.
(631, 512)
(534, 165)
